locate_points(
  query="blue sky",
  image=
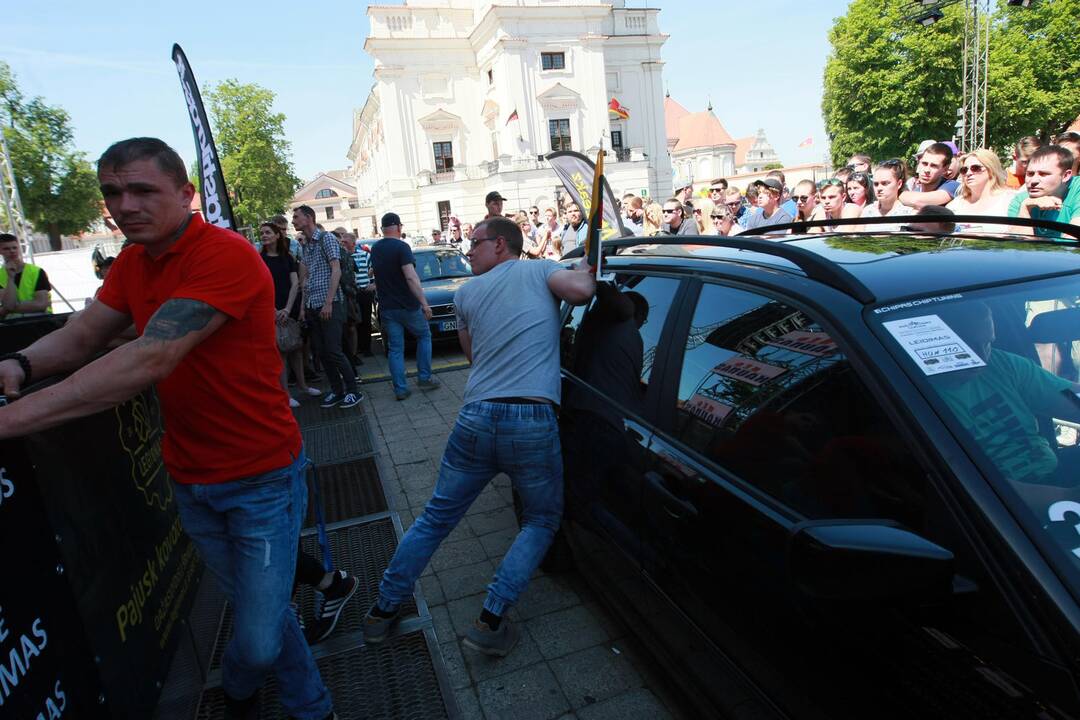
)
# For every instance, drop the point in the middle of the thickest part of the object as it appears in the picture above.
(108, 65)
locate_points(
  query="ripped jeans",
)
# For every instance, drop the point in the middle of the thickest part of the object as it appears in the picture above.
(247, 532)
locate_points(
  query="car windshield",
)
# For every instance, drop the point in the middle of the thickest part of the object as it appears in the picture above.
(441, 264)
(1002, 366)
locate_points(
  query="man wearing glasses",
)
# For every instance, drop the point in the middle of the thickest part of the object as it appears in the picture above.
(675, 221)
(508, 324)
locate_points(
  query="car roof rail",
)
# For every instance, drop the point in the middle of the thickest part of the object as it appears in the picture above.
(814, 265)
(1072, 232)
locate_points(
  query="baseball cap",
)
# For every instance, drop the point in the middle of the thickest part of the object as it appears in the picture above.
(389, 220)
(923, 145)
(771, 183)
(493, 195)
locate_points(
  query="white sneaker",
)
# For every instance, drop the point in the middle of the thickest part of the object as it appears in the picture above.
(294, 403)
(314, 391)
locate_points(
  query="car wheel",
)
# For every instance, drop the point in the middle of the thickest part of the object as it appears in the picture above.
(559, 557)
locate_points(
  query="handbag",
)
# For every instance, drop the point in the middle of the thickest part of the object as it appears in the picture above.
(288, 335)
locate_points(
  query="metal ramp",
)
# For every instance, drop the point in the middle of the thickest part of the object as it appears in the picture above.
(403, 677)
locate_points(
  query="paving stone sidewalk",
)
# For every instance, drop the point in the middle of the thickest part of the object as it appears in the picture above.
(574, 660)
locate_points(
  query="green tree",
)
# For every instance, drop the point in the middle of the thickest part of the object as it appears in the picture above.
(250, 139)
(1034, 73)
(57, 186)
(889, 82)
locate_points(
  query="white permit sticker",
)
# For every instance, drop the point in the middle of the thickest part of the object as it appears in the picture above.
(707, 409)
(933, 345)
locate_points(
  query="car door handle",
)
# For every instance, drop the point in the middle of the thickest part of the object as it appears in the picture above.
(639, 432)
(675, 506)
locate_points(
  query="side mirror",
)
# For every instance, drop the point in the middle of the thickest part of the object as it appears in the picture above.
(875, 560)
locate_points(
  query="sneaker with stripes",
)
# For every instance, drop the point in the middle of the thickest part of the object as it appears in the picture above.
(334, 599)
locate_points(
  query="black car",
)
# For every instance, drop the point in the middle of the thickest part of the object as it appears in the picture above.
(835, 475)
(442, 270)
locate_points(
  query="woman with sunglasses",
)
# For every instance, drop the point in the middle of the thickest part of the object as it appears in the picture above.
(983, 189)
(859, 190)
(831, 205)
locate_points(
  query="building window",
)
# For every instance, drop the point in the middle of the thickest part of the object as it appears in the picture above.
(444, 157)
(444, 214)
(353, 204)
(491, 78)
(329, 213)
(325, 193)
(552, 61)
(559, 130)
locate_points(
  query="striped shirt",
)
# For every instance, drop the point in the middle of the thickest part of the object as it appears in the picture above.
(361, 260)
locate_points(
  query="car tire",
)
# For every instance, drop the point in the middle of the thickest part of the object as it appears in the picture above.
(559, 558)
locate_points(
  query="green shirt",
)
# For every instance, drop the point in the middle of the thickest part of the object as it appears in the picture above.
(1000, 405)
(1070, 208)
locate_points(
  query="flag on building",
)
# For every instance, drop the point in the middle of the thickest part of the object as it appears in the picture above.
(807, 142)
(615, 110)
(215, 197)
(596, 214)
(513, 117)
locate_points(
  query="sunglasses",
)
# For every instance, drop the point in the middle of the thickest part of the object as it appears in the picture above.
(801, 198)
(973, 168)
(671, 210)
(830, 182)
(718, 217)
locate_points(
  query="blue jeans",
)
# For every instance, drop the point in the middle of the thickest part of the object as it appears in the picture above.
(394, 324)
(488, 438)
(247, 532)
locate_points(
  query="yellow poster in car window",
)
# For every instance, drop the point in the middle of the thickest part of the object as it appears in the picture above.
(748, 370)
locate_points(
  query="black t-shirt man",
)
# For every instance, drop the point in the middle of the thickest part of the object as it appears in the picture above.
(388, 256)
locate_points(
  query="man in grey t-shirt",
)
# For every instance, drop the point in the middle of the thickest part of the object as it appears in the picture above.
(508, 324)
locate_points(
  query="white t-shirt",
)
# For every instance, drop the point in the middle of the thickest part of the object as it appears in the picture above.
(998, 205)
(898, 210)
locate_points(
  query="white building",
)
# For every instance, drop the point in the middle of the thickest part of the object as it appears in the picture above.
(701, 149)
(469, 97)
(333, 198)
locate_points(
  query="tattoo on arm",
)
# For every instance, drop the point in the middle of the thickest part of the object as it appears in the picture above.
(178, 317)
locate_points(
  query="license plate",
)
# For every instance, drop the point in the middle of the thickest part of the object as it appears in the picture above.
(448, 325)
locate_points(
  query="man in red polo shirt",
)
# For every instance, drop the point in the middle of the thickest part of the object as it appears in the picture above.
(202, 302)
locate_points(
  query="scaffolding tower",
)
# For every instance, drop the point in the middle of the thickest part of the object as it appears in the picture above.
(971, 116)
(9, 194)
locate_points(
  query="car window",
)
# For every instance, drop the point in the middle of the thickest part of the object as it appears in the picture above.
(437, 265)
(766, 395)
(1003, 364)
(641, 301)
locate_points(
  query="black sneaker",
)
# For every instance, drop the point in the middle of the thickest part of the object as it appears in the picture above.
(352, 399)
(430, 384)
(330, 400)
(334, 597)
(482, 638)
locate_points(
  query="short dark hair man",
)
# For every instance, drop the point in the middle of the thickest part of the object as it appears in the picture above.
(508, 325)
(203, 305)
(534, 216)
(494, 204)
(1021, 153)
(634, 213)
(717, 188)
(1051, 193)
(673, 220)
(576, 227)
(931, 187)
(24, 287)
(326, 309)
(1070, 141)
(402, 306)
